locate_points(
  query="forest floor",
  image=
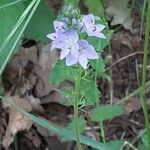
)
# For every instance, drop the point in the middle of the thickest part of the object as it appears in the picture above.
(26, 80)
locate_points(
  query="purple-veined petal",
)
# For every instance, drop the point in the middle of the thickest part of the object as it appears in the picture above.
(60, 42)
(100, 27)
(58, 26)
(72, 35)
(64, 52)
(83, 61)
(83, 44)
(75, 49)
(88, 20)
(100, 35)
(90, 53)
(52, 36)
(71, 60)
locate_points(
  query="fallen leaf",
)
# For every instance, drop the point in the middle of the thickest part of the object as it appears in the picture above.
(42, 69)
(36, 104)
(120, 13)
(17, 121)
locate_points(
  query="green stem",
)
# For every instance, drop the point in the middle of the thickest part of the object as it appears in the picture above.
(16, 142)
(100, 123)
(144, 72)
(76, 102)
(142, 18)
(102, 132)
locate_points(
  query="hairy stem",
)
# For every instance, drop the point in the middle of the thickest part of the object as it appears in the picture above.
(100, 123)
(144, 74)
(76, 102)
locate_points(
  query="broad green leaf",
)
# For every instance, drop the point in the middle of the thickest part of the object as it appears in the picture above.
(95, 7)
(89, 92)
(41, 23)
(106, 112)
(9, 16)
(14, 41)
(56, 129)
(81, 124)
(61, 72)
(7, 3)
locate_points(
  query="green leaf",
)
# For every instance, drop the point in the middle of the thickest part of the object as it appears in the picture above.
(41, 23)
(95, 7)
(61, 72)
(7, 3)
(89, 92)
(56, 129)
(99, 66)
(106, 112)
(13, 41)
(9, 16)
(81, 124)
(145, 140)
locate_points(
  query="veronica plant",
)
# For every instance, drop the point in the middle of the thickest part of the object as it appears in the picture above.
(79, 40)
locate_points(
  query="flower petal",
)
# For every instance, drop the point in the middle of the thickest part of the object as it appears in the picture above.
(64, 52)
(52, 36)
(83, 44)
(71, 60)
(90, 53)
(89, 20)
(75, 50)
(58, 26)
(83, 61)
(100, 27)
(72, 35)
(100, 35)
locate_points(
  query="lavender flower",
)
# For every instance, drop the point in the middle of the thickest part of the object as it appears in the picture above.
(66, 38)
(91, 28)
(86, 51)
(67, 42)
(58, 26)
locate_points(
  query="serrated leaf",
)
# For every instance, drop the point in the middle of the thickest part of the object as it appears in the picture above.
(89, 92)
(81, 124)
(99, 66)
(41, 23)
(61, 72)
(95, 7)
(106, 112)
